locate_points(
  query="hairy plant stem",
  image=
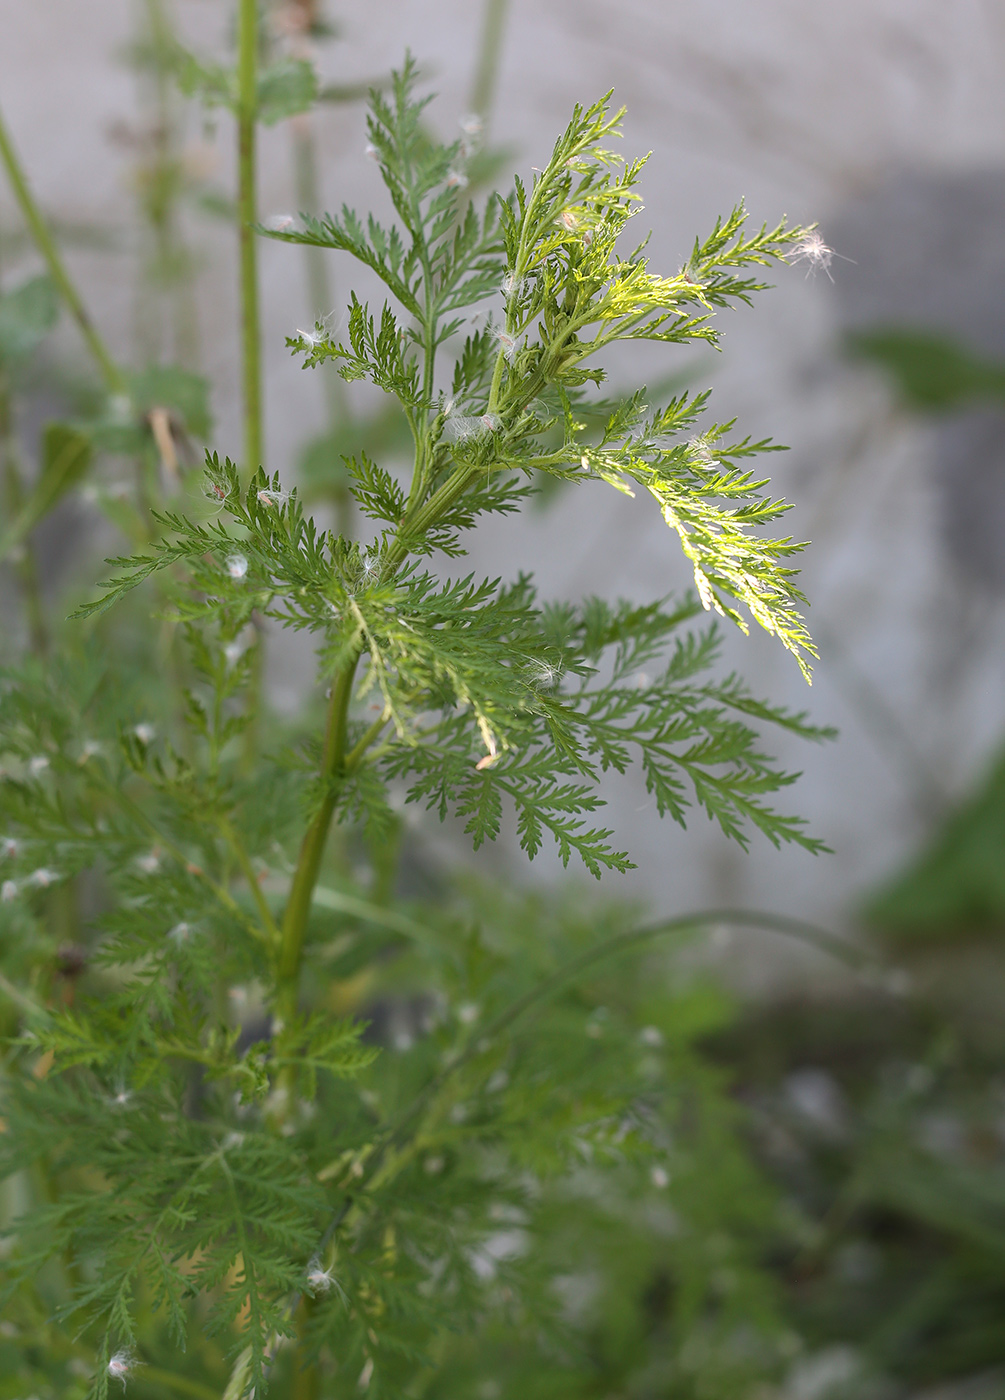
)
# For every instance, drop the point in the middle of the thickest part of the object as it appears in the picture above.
(114, 379)
(305, 877)
(247, 214)
(421, 518)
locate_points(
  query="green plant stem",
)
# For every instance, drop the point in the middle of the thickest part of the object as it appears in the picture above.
(418, 520)
(487, 72)
(248, 871)
(305, 877)
(247, 213)
(110, 372)
(358, 750)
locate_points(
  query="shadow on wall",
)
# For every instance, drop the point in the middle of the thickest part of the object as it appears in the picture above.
(928, 302)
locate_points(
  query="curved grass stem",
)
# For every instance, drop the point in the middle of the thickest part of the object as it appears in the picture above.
(115, 380)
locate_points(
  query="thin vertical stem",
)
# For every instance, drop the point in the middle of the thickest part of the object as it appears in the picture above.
(487, 72)
(247, 114)
(110, 372)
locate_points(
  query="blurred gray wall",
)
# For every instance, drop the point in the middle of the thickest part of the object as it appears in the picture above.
(885, 120)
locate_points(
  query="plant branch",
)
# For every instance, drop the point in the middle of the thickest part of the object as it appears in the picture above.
(420, 520)
(305, 877)
(357, 751)
(114, 378)
(248, 871)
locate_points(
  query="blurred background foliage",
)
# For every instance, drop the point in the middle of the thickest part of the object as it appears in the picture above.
(823, 1214)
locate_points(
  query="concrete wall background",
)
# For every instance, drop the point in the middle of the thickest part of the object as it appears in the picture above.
(885, 120)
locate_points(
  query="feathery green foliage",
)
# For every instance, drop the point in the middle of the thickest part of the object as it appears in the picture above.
(221, 1142)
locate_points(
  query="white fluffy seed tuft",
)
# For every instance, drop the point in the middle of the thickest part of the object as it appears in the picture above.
(458, 427)
(700, 451)
(507, 344)
(812, 250)
(121, 1366)
(319, 1279)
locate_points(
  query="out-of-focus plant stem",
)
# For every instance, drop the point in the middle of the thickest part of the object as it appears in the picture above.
(110, 372)
(247, 115)
(483, 87)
